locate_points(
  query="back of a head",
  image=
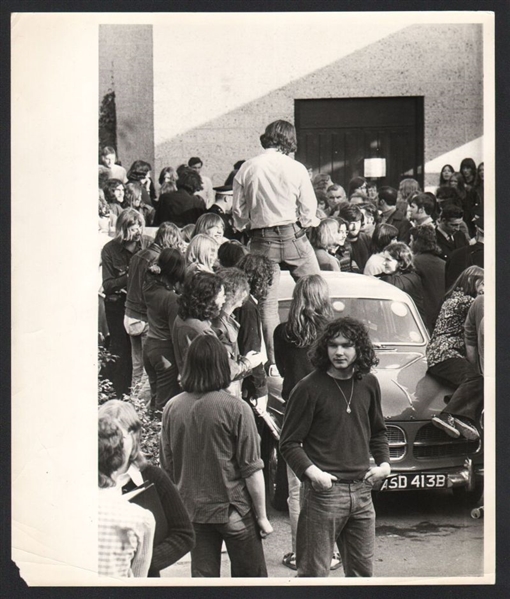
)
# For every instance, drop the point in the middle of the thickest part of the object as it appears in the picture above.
(230, 253)
(189, 180)
(382, 236)
(168, 235)
(110, 449)
(280, 135)
(354, 184)
(197, 299)
(389, 195)
(138, 170)
(172, 265)
(407, 187)
(424, 240)
(451, 211)
(194, 160)
(234, 282)
(260, 272)
(206, 366)
(468, 281)
(324, 235)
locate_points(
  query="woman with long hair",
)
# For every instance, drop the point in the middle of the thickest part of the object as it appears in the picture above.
(446, 354)
(446, 172)
(141, 171)
(310, 311)
(179, 538)
(383, 235)
(469, 173)
(167, 180)
(162, 284)
(399, 270)
(201, 255)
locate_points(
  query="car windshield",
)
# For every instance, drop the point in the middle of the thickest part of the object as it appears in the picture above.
(388, 321)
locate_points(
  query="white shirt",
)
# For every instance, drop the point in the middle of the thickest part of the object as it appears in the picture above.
(273, 189)
(207, 192)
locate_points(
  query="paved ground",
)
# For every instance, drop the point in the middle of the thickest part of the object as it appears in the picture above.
(418, 535)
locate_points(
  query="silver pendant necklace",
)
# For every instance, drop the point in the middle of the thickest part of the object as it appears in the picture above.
(348, 403)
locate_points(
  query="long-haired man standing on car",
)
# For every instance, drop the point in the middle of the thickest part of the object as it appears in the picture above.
(333, 423)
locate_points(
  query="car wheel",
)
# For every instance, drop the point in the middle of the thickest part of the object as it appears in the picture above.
(469, 497)
(276, 474)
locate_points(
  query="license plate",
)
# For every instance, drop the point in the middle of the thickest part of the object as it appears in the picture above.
(411, 482)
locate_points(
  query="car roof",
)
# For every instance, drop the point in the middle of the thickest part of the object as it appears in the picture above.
(348, 284)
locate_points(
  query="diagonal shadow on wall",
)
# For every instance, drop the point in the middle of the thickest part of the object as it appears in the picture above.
(443, 63)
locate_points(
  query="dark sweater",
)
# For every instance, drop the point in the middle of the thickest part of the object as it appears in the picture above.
(317, 430)
(162, 308)
(410, 282)
(181, 537)
(292, 361)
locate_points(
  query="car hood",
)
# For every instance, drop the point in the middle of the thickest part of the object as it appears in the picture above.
(408, 392)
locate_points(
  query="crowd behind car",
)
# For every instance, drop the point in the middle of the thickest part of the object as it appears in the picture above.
(180, 313)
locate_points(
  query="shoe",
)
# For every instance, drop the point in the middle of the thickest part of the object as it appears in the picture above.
(446, 422)
(289, 560)
(336, 562)
(468, 431)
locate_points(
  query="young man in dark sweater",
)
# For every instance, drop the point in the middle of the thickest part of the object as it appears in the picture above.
(333, 422)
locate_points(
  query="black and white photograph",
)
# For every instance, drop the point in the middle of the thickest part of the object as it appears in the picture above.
(266, 357)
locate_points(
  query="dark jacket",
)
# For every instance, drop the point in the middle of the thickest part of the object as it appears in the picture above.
(400, 222)
(410, 282)
(179, 207)
(431, 270)
(459, 260)
(448, 246)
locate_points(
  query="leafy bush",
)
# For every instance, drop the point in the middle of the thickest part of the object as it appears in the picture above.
(151, 425)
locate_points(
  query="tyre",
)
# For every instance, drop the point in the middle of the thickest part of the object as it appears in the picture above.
(276, 474)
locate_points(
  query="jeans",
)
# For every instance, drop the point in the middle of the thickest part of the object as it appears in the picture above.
(159, 362)
(244, 547)
(137, 342)
(345, 514)
(467, 401)
(290, 247)
(294, 503)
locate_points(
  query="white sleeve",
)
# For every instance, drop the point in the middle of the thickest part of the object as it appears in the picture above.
(307, 202)
(239, 208)
(143, 554)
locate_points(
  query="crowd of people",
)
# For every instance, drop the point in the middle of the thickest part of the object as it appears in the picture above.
(190, 318)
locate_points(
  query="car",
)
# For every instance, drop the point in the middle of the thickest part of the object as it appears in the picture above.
(423, 457)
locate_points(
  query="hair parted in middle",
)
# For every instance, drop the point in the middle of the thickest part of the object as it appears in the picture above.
(202, 250)
(206, 366)
(207, 221)
(280, 135)
(356, 332)
(127, 218)
(310, 310)
(198, 296)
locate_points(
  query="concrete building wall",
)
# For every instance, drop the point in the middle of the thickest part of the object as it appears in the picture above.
(126, 67)
(441, 62)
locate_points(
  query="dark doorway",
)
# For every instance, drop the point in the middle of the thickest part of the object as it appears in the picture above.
(335, 135)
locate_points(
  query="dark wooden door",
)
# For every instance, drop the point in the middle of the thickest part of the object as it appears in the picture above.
(336, 135)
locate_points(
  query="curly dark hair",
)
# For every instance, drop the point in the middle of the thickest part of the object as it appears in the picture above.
(189, 180)
(198, 297)
(280, 135)
(354, 331)
(259, 271)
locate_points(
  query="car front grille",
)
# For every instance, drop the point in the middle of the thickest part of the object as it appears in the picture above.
(432, 442)
(397, 442)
